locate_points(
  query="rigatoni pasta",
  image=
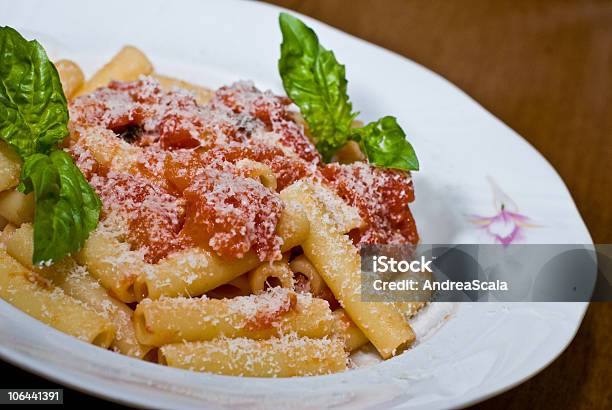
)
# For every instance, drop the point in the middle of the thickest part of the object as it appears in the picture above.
(338, 261)
(225, 243)
(7, 232)
(16, 207)
(77, 283)
(196, 271)
(112, 263)
(10, 167)
(288, 356)
(26, 291)
(302, 266)
(71, 75)
(269, 274)
(127, 65)
(277, 312)
(202, 94)
(236, 287)
(259, 171)
(348, 331)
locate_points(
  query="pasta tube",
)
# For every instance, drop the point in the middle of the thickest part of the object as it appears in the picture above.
(196, 271)
(236, 287)
(271, 274)
(7, 232)
(338, 262)
(108, 150)
(202, 94)
(16, 207)
(348, 331)
(76, 282)
(349, 153)
(172, 320)
(301, 265)
(127, 65)
(10, 167)
(31, 294)
(71, 76)
(259, 172)
(277, 357)
(113, 264)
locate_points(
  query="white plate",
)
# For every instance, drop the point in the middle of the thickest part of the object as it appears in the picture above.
(481, 350)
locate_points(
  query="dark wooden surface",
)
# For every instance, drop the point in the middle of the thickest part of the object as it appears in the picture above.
(545, 69)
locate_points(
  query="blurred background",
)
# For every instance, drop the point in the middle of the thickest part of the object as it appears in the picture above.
(544, 67)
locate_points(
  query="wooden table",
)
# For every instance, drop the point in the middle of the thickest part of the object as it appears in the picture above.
(545, 69)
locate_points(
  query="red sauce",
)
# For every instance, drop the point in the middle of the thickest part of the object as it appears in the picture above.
(273, 112)
(287, 169)
(154, 216)
(232, 214)
(186, 186)
(382, 197)
(266, 317)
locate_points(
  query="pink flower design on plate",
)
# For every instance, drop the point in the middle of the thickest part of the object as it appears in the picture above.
(508, 224)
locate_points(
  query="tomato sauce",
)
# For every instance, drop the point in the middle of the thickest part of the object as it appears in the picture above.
(381, 195)
(185, 187)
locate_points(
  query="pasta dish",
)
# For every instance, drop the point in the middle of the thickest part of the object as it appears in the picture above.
(214, 231)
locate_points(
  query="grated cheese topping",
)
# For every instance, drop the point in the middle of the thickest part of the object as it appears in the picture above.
(381, 196)
(174, 171)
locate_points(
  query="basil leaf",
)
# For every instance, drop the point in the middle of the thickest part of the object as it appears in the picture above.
(67, 208)
(33, 109)
(315, 81)
(384, 143)
(33, 120)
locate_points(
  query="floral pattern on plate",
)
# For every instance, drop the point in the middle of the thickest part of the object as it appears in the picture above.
(508, 224)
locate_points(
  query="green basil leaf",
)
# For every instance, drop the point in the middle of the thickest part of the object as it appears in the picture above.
(67, 208)
(384, 143)
(315, 81)
(33, 108)
(33, 120)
